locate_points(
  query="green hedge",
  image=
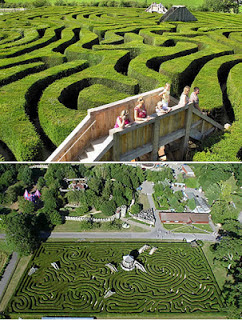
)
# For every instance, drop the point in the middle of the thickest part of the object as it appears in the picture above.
(183, 70)
(229, 146)
(125, 50)
(27, 36)
(208, 78)
(178, 280)
(143, 67)
(97, 95)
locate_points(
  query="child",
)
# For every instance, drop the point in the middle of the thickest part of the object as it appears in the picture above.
(165, 94)
(160, 108)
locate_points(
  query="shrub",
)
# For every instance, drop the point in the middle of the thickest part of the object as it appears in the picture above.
(41, 3)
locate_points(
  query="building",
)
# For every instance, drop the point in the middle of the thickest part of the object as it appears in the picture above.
(188, 171)
(128, 263)
(178, 13)
(173, 217)
(201, 204)
(156, 7)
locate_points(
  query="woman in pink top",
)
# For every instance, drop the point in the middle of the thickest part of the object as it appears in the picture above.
(122, 120)
(140, 113)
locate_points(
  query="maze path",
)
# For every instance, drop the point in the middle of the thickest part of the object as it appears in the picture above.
(125, 49)
(178, 279)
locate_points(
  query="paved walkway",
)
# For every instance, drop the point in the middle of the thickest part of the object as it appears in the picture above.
(240, 217)
(8, 273)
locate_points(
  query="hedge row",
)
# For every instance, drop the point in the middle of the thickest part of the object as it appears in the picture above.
(229, 146)
(126, 51)
(178, 280)
(27, 36)
(183, 70)
(144, 66)
(208, 78)
(56, 121)
(21, 136)
(97, 94)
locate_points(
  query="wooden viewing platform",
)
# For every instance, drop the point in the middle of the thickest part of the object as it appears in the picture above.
(94, 139)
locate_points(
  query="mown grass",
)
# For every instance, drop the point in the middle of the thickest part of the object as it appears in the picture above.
(194, 4)
(177, 227)
(78, 226)
(219, 271)
(21, 266)
(143, 199)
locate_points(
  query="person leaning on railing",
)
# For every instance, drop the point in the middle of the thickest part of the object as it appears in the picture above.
(161, 109)
(165, 95)
(184, 98)
(140, 112)
(195, 100)
(123, 120)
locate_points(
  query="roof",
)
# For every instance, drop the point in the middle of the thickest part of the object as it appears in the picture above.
(128, 258)
(184, 217)
(178, 13)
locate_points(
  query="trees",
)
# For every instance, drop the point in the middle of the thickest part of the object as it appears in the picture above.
(229, 251)
(21, 233)
(25, 175)
(221, 211)
(191, 204)
(222, 5)
(25, 206)
(108, 207)
(55, 217)
(136, 208)
(213, 193)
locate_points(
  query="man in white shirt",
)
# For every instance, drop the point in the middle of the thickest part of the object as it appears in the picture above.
(194, 98)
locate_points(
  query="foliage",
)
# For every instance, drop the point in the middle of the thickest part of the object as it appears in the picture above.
(25, 175)
(108, 207)
(13, 192)
(164, 173)
(222, 5)
(136, 208)
(25, 206)
(55, 217)
(156, 285)
(21, 233)
(191, 204)
(191, 183)
(95, 65)
(221, 211)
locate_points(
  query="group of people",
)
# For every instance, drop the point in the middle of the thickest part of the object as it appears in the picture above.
(184, 98)
(162, 107)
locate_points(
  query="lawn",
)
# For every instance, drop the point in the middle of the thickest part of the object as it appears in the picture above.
(176, 279)
(188, 3)
(143, 199)
(177, 227)
(77, 226)
(4, 254)
(219, 271)
(21, 266)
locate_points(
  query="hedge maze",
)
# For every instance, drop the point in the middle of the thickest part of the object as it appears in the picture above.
(178, 280)
(58, 62)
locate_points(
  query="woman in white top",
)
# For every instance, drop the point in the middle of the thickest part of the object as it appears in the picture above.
(184, 98)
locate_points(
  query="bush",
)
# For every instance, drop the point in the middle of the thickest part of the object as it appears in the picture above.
(41, 3)
(136, 208)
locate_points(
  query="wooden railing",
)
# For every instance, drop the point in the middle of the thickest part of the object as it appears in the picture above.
(139, 138)
(147, 137)
(104, 117)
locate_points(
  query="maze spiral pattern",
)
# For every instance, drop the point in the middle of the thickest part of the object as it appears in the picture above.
(58, 62)
(178, 279)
